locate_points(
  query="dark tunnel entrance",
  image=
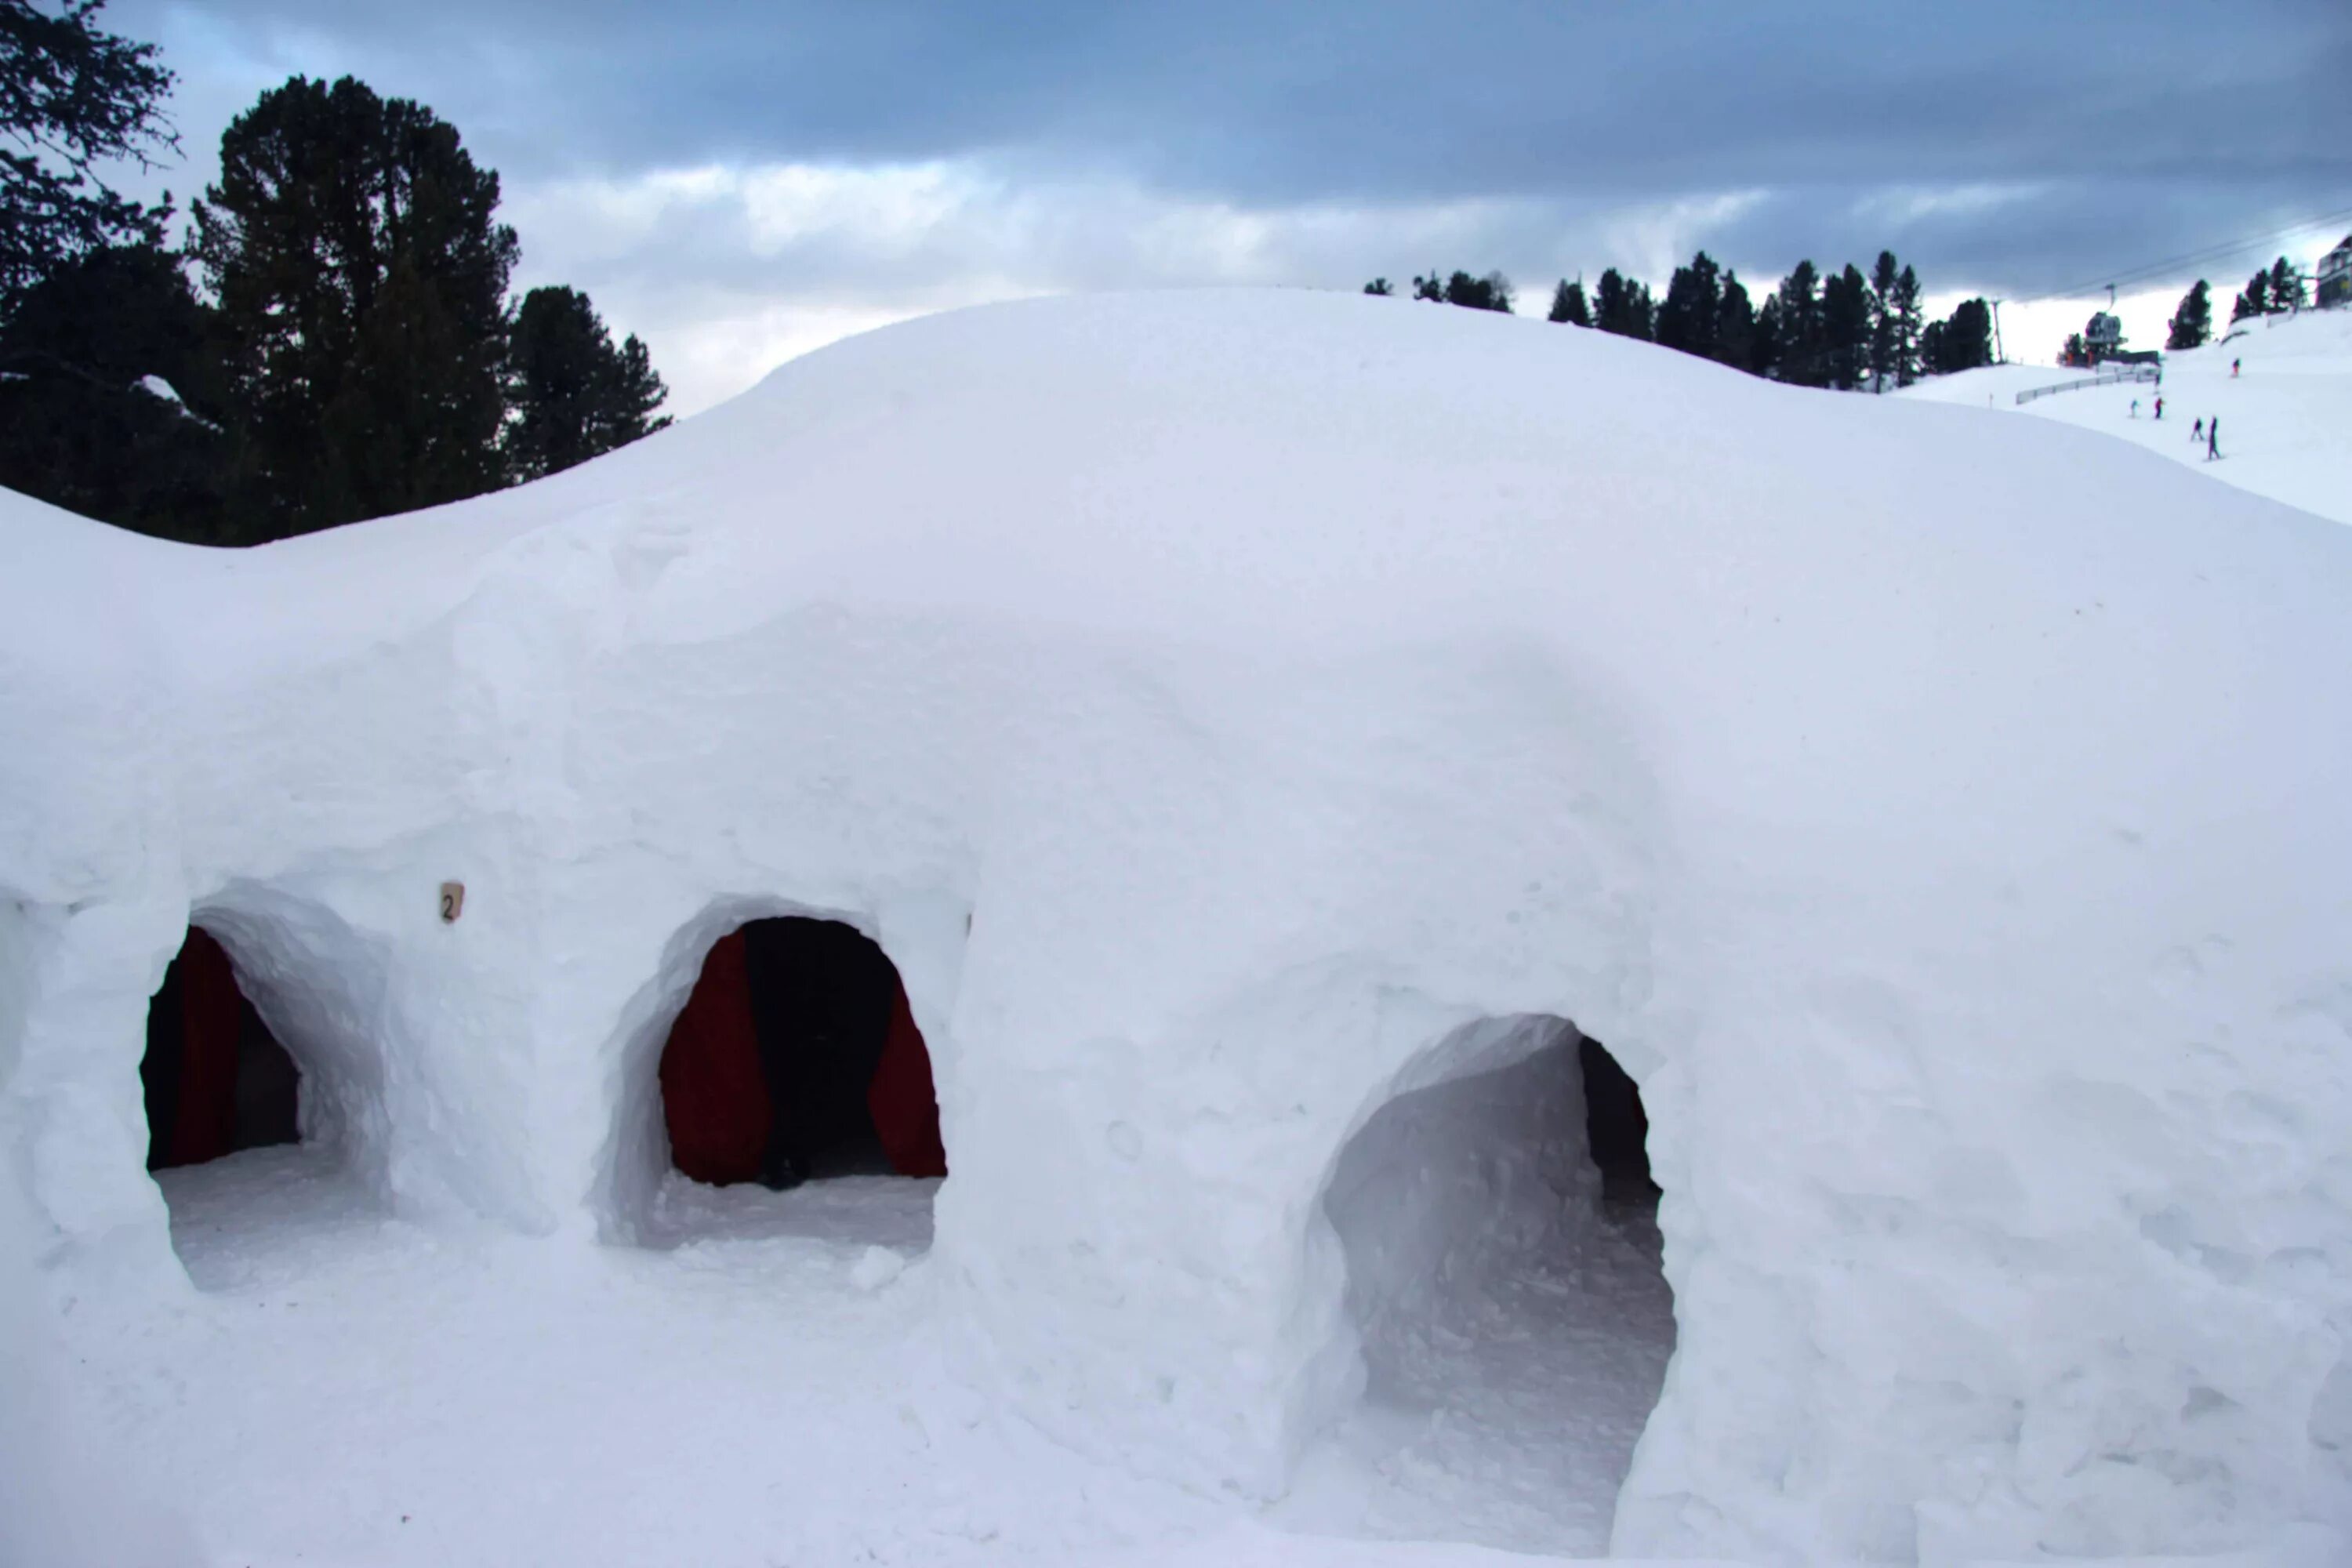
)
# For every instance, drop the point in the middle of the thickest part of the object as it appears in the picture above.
(1616, 1130)
(797, 1059)
(216, 1078)
(1505, 1278)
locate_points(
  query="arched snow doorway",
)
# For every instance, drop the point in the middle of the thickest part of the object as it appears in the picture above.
(263, 1089)
(1500, 1231)
(214, 1079)
(796, 1062)
(269, 1128)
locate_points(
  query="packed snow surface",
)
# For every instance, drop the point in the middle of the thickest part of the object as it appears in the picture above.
(2286, 414)
(1261, 728)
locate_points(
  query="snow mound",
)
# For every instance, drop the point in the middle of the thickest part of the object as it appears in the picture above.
(1223, 709)
(2286, 414)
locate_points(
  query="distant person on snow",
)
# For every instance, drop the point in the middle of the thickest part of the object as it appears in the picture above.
(2197, 431)
(2233, 368)
(2159, 408)
(2135, 408)
(2213, 438)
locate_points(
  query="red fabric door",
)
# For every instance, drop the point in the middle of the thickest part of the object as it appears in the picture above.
(212, 1014)
(714, 1097)
(905, 1104)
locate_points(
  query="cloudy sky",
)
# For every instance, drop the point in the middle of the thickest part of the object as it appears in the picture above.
(738, 181)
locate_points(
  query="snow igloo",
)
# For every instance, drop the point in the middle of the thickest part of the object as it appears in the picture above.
(1268, 738)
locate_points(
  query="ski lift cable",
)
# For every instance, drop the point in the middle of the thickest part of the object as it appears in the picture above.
(2177, 265)
(2208, 253)
(2155, 269)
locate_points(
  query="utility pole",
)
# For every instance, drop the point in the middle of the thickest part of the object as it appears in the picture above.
(1998, 356)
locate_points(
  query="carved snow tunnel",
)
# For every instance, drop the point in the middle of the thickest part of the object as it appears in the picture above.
(796, 1065)
(1500, 1231)
(214, 1079)
(262, 1085)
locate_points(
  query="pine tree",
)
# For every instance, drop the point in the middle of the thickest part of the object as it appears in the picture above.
(1568, 304)
(1491, 292)
(73, 98)
(1623, 306)
(1687, 319)
(1882, 356)
(575, 396)
(362, 276)
(1909, 313)
(2254, 299)
(82, 424)
(1931, 348)
(1734, 325)
(1845, 328)
(1609, 302)
(1765, 356)
(1800, 337)
(1378, 285)
(2286, 288)
(1430, 288)
(2192, 323)
(1967, 337)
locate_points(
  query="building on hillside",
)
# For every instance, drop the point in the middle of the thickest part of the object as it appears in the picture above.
(2103, 337)
(2101, 342)
(2336, 276)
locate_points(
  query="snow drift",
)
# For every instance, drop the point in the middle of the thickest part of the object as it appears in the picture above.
(1229, 711)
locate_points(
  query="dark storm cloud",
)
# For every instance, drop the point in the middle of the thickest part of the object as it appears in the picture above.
(2148, 126)
(2016, 146)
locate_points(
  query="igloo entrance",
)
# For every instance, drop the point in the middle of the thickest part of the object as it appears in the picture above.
(1500, 1231)
(268, 1130)
(215, 1080)
(795, 1058)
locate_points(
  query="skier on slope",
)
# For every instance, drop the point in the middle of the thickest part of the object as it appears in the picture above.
(2233, 368)
(2197, 431)
(2159, 409)
(2135, 408)
(2213, 438)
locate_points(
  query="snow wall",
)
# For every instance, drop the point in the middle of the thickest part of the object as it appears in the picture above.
(1229, 710)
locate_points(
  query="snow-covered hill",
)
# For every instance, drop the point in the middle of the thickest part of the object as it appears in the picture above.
(1252, 724)
(2287, 415)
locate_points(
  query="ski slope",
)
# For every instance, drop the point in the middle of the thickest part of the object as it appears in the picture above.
(2286, 417)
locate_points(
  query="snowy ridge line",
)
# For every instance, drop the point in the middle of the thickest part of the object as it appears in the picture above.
(1231, 712)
